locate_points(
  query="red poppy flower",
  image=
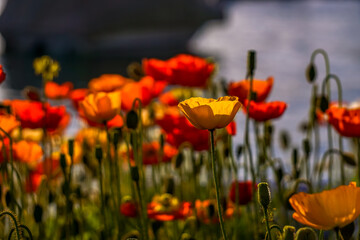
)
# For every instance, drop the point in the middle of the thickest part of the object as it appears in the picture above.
(261, 88)
(165, 207)
(262, 112)
(245, 192)
(33, 181)
(2, 74)
(34, 114)
(156, 87)
(183, 69)
(129, 209)
(345, 121)
(179, 130)
(77, 96)
(54, 90)
(231, 128)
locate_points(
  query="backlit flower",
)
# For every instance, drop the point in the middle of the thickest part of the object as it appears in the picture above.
(245, 192)
(108, 83)
(77, 95)
(241, 89)
(28, 152)
(132, 91)
(329, 209)
(262, 111)
(54, 90)
(207, 211)
(165, 207)
(208, 113)
(346, 121)
(100, 107)
(2, 74)
(8, 123)
(183, 69)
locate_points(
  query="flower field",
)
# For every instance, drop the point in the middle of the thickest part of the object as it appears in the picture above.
(155, 157)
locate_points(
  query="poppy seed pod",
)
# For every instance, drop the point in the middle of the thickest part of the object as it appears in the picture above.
(63, 161)
(306, 233)
(285, 139)
(324, 103)
(251, 61)
(179, 160)
(98, 153)
(288, 233)
(38, 213)
(134, 174)
(132, 119)
(264, 195)
(310, 73)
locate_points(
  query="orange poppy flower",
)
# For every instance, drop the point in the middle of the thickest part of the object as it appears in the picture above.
(28, 152)
(262, 112)
(231, 128)
(77, 96)
(345, 121)
(54, 90)
(91, 137)
(183, 69)
(261, 88)
(165, 207)
(108, 83)
(207, 211)
(8, 123)
(134, 90)
(101, 106)
(328, 209)
(245, 192)
(2, 74)
(37, 175)
(78, 152)
(179, 130)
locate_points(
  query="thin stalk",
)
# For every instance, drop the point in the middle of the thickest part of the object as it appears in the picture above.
(15, 222)
(142, 210)
(11, 159)
(321, 235)
(267, 223)
(102, 198)
(216, 184)
(328, 152)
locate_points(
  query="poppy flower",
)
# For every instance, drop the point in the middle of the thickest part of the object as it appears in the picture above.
(28, 152)
(91, 137)
(183, 69)
(77, 96)
(108, 83)
(241, 89)
(208, 113)
(134, 90)
(156, 87)
(166, 207)
(231, 128)
(207, 211)
(33, 181)
(169, 99)
(101, 106)
(129, 208)
(346, 121)
(78, 152)
(329, 209)
(179, 130)
(54, 90)
(2, 74)
(261, 111)
(8, 123)
(151, 153)
(245, 192)
(33, 114)
(47, 67)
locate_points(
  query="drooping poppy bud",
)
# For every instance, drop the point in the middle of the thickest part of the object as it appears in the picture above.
(288, 233)
(38, 213)
(310, 73)
(132, 119)
(264, 195)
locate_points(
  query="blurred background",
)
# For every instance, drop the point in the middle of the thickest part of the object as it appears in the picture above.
(90, 38)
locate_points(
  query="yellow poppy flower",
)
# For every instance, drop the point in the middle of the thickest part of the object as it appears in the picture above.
(329, 209)
(208, 113)
(101, 106)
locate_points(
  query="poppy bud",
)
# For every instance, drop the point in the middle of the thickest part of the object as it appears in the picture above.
(117, 136)
(306, 147)
(71, 147)
(63, 162)
(284, 139)
(251, 61)
(8, 198)
(162, 141)
(264, 195)
(98, 153)
(279, 173)
(306, 233)
(324, 103)
(211, 210)
(134, 173)
(132, 120)
(169, 185)
(32, 94)
(288, 233)
(239, 150)
(179, 160)
(295, 157)
(38, 213)
(135, 71)
(310, 73)
(348, 158)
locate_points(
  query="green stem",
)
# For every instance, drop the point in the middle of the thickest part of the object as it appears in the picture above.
(15, 222)
(143, 211)
(11, 159)
(23, 227)
(322, 163)
(321, 235)
(216, 183)
(267, 223)
(102, 199)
